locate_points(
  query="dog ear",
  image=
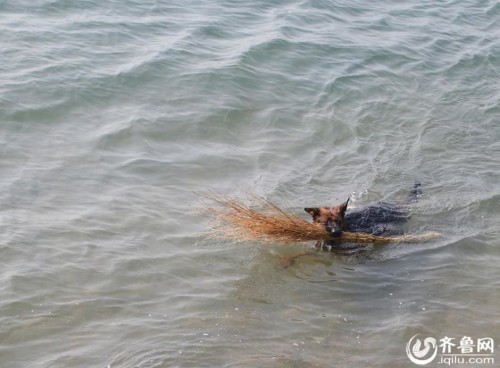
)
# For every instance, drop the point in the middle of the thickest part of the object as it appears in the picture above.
(314, 212)
(343, 207)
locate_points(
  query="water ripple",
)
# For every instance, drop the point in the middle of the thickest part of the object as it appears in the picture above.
(113, 113)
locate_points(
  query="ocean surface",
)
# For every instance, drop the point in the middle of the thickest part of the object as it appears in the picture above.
(116, 116)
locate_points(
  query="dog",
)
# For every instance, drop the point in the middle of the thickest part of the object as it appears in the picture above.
(381, 219)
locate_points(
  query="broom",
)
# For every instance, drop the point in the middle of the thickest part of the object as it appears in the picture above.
(239, 222)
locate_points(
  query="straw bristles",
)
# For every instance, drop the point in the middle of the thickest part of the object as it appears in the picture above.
(238, 222)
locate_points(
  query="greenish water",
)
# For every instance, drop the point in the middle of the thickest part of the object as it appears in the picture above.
(114, 114)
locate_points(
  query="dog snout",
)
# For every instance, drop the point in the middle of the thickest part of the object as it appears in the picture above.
(333, 229)
(336, 232)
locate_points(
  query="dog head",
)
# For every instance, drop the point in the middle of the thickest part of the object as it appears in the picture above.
(331, 218)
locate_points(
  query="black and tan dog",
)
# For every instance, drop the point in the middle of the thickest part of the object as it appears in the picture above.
(382, 219)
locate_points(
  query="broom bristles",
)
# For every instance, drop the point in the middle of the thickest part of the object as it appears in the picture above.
(239, 222)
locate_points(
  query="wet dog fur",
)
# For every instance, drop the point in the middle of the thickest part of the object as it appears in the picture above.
(381, 219)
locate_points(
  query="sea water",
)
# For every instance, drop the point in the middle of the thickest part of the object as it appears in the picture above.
(116, 116)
